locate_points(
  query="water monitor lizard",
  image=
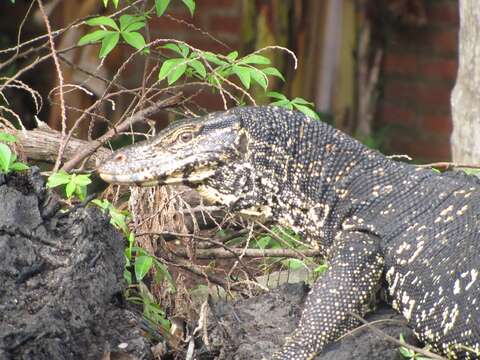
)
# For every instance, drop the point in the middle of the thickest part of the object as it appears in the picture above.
(380, 223)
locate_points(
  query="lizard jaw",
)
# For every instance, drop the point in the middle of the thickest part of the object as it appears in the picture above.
(146, 179)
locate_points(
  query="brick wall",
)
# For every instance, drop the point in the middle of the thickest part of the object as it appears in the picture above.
(420, 67)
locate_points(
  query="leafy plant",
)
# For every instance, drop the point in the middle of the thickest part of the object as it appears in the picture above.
(7, 138)
(118, 218)
(8, 159)
(152, 311)
(189, 63)
(409, 353)
(111, 32)
(162, 5)
(297, 103)
(75, 184)
(471, 171)
(126, 29)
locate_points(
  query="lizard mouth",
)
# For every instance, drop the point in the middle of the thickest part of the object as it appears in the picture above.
(148, 179)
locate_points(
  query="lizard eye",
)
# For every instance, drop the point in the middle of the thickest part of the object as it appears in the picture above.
(185, 137)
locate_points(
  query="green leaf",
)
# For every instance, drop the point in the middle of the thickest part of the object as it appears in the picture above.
(180, 49)
(211, 57)
(470, 171)
(58, 178)
(93, 37)
(190, 4)
(82, 180)
(176, 72)
(263, 242)
(163, 271)
(167, 66)
(243, 74)
(134, 39)
(173, 47)
(102, 20)
(255, 59)
(131, 239)
(142, 266)
(118, 219)
(7, 137)
(105, 3)
(5, 158)
(293, 263)
(127, 275)
(184, 50)
(307, 111)
(283, 103)
(127, 20)
(232, 56)
(115, 3)
(135, 26)
(406, 353)
(320, 269)
(302, 101)
(273, 72)
(276, 95)
(198, 67)
(108, 43)
(81, 192)
(259, 77)
(18, 166)
(161, 6)
(70, 188)
(101, 203)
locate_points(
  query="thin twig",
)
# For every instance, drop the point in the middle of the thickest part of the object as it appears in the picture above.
(236, 252)
(60, 81)
(447, 165)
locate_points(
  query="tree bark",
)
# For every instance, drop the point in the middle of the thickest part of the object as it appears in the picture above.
(465, 98)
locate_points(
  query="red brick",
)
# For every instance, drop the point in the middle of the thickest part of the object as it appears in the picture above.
(224, 24)
(208, 100)
(162, 25)
(397, 115)
(400, 63)
(217, 3)
(437, 124)
(437, 97)
(444, 41)
(396, 91)
(439, 68)
(208, 44)
(426, 40)
(443, 13)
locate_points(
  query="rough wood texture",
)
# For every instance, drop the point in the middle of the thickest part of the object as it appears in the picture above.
(466, 94)
(42, 144)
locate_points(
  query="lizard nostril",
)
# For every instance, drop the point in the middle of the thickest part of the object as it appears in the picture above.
(119, 157)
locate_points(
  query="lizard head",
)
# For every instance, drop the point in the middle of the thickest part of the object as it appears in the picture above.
(188, 151)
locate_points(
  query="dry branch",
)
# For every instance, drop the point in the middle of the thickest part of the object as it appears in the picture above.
(235, 252)
(93, 146)
(43, 143)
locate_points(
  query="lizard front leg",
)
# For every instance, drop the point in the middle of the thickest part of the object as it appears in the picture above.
(353, 276)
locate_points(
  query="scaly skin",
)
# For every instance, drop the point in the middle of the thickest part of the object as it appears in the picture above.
(378, 222)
